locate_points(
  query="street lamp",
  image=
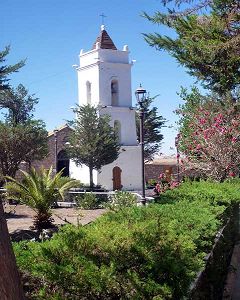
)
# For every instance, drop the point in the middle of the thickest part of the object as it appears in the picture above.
(141, 96)
(178, 155)
(55, 132)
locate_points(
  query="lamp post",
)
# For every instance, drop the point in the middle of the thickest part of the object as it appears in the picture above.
(177, 148)
(141, 96)
(55, 131)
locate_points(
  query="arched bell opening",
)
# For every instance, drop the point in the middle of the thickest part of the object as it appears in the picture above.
(114, 92)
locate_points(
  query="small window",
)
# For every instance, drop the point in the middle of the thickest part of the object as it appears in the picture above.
(114, 92)
(117, 128)
(88, 88)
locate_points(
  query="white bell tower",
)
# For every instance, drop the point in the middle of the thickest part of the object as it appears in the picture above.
(104, 80)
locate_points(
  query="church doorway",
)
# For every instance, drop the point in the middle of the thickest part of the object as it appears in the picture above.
(117, 185)
(63, 163)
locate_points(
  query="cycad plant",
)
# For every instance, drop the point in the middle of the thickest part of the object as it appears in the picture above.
(40, 190)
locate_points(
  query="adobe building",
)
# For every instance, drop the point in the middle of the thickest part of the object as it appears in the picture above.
(57, 155)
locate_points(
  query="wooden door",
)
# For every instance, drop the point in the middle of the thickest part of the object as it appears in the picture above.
(117, 185)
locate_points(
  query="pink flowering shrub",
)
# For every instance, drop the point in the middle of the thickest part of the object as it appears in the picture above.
(210, 140)
(163, 184)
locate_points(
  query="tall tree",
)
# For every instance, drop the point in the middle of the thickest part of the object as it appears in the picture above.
(10, 286)
(6, 70)
(93, 141)
(21, 137)
(153, 124)
(206, 43)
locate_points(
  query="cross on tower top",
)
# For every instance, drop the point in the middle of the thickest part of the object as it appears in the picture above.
(103, 16)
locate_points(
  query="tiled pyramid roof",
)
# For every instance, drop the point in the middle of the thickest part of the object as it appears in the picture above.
(104, 40)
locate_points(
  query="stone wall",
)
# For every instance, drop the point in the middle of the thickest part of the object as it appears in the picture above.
(152, 171)
(50, 160)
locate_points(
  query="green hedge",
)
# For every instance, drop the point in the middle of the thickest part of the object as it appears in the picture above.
(136, 253)
(214, 192)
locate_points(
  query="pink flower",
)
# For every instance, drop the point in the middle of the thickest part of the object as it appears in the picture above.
(161, 175)
(232, 174)
(198, 147)
(202, 121)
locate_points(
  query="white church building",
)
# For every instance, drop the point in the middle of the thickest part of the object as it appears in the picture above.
(104, 80)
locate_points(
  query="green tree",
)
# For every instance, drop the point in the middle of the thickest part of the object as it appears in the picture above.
(10, 285)
(152, 129)
(22, 138)
(40, 190)
(21, 142)
(6, 70)
(93, 141)
(206, 43)
(19, 104)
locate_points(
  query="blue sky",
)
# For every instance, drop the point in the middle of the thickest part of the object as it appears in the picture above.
(50, 35)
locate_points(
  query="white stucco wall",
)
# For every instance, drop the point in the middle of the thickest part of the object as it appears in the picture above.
(100, 67)
(129, 161)
(88, 74)
(126, 117)
(81, 173)
(119, 72)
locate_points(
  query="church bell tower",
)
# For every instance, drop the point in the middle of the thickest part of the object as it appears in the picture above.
(104, 80)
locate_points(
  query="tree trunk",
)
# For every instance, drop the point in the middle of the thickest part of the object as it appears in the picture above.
(10, 286)
(91, 178)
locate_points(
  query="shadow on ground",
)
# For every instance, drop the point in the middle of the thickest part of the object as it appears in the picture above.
(23, 234)
(14, 216)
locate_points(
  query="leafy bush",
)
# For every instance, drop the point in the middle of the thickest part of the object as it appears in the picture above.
(211, 191)
(151, 183)
(151, 252)
(87, 201)
(120, 200)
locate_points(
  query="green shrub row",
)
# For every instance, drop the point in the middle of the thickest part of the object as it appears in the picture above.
(149, 252)
(214, 192)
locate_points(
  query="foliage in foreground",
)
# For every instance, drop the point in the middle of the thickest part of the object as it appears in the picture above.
(137, 253)
(208, 191)
(40, 190)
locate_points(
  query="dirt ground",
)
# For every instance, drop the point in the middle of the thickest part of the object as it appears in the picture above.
(19, 217)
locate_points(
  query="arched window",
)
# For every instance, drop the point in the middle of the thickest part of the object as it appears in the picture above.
(117, 128)
(114, 92)
(88, 89)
